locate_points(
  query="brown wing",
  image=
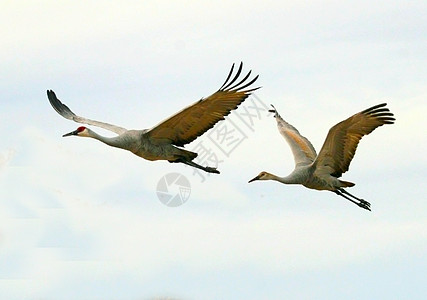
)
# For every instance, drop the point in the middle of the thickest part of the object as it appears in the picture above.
(191, 122)
(342, 140)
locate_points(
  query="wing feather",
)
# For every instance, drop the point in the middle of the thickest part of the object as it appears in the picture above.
(342, 140)
(303, 151)
(66, 112)
(191, 122)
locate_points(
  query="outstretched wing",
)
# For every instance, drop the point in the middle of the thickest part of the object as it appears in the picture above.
(64, 111)
(303, 151)
(191, 122)
(341, 142)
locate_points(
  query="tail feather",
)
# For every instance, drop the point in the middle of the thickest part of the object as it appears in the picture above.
(188, 155)
(191, 155)
(183, 156)
(346, 183)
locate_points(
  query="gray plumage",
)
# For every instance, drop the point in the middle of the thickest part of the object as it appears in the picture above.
(162, 141)
(321, 172)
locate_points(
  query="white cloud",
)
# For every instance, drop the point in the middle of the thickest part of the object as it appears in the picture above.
(6, 157)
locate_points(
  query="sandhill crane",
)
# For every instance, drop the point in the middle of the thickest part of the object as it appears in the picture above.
(321, 172)
(161, 142)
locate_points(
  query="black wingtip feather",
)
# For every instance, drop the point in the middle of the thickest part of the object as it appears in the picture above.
(230, 85)
(228, 77)
(240, 82)
(381, 112)
(249, 83)
(274, 110)
(235, 77)
(59, 107)
(374, 108)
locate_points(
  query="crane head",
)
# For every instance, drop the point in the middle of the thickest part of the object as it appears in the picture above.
(261, 176)
(81, 131)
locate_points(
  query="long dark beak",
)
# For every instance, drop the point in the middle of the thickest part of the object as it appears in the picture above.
(253, 179)
(71, 133)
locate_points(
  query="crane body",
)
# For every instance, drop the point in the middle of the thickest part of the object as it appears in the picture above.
(321, 171)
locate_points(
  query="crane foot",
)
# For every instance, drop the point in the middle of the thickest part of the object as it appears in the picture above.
(364, 204)
(211, 170)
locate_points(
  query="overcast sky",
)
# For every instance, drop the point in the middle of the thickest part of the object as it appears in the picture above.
(80, 220)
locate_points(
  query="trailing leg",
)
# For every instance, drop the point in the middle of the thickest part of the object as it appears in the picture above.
(362, 203)
(361, 200)
(195, 165)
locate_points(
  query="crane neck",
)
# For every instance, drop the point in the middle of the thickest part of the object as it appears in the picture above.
(293, 178)
(290, 179)
(116, 141)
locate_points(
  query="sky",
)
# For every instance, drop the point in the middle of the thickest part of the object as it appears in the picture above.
(80, 220)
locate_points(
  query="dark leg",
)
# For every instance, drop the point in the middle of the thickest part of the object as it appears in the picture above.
(362, 203)
(361, 200)
(193, 164)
